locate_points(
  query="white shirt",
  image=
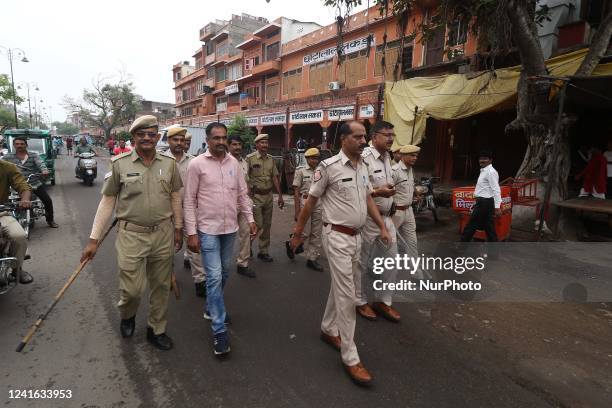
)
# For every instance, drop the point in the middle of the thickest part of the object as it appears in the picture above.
(608, 155)
(488, 185)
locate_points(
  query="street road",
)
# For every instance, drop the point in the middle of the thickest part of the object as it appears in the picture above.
(277, 359)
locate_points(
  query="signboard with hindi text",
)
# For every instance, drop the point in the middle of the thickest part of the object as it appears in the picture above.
(341, 113)
(306, 116)
(277, 119)
(348, 47)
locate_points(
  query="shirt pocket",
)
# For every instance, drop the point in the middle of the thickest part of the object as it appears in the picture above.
(131, 186)
(257, 170)
(347, 189)
(165, 184)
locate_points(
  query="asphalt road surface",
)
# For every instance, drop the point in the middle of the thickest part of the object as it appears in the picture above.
(277, 359)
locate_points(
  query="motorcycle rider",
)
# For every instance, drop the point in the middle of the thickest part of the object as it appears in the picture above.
(11, 177)
(83, 147)
(28, 163)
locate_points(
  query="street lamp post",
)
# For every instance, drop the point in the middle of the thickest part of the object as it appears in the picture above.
(10, 52)
(28, 85)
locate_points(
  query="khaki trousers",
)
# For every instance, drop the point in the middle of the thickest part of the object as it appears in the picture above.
(372, 248)
(195, 260)
(262, 212)
(244, 236)
(17, 236)
(145, 257)
(406, 228)
(313, 236)
(342, 252)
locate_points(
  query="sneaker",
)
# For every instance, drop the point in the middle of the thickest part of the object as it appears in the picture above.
(221, 344)
(207, 316)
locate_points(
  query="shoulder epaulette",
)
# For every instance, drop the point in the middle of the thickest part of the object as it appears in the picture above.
(396, 166)
(251, 154)
(366, 152)
(331, 160)
(120, 156)
(300, 167)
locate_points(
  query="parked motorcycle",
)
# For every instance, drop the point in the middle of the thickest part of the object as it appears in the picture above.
(87, 168)
(425, 196)
(27, 216)
(9, 276)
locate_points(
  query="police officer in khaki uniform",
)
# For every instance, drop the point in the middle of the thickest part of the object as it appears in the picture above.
(144, 188)
(263, 179)
(395, 151)
(403, 219)
(302, 179)
(342, 184)
(378, 159)
(177, 149)
(234, 144)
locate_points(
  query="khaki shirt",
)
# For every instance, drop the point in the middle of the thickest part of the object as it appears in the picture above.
(182, 166)
(379, 169)
(302, 180)
(10, 176)
(343, 191)
(143, 193)
(244, 165)
(403, 177)
(261, 171)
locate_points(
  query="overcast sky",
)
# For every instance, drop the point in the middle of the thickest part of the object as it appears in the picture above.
(70, 42)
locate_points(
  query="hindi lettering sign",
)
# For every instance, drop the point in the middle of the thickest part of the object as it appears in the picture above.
(306, 116)
(341, 113)
(366, 111)
(278, 119)
(231, 89)
(348, 47)
(253, 121)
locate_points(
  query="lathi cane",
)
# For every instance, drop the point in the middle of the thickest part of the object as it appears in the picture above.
(59, 295)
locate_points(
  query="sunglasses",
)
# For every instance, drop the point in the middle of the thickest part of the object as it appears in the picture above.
(143, 134)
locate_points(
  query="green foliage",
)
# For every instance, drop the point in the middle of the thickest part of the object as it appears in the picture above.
(6, 91)
(7, 118)
(123, 135)
(240, 127)
(66, 128)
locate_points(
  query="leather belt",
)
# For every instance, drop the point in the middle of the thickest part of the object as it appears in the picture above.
(402, 207)
(261, 191)
(341, 228)
(130, 226)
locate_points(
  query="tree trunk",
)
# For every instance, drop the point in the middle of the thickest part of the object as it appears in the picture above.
(598, 46)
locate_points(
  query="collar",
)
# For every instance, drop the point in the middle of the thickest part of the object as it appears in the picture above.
(345, 159)
(486, 167)
(207, 154)
(134, 155)
(402, 165)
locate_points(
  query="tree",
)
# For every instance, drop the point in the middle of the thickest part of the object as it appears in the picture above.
(7, 119)
(107, 105)
(240, 127)
(499, 25)
(123, 135)
(65, 128)
(6, 91)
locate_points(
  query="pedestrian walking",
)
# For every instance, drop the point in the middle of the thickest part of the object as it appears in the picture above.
(215, 193)
(342, 184)
(177, 138)
(378, 159)
(28, 163)
(403, 219)
(244, 236)
(144, 186)
(488, 200)
(122, 148)
(263, 179)
(69, 142)
(110, 145)
(302, 180)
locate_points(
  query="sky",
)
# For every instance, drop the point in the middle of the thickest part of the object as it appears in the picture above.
(70, 43)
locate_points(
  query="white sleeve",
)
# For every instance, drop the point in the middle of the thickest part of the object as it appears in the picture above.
(494, 182)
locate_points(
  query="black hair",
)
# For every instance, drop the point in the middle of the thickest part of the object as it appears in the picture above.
(485, 153)
(213, 125)
(345, 129)
(380, 125)
(234, 138)
(22, 138)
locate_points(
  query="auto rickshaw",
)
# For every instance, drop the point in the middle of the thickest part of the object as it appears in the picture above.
(39, 141)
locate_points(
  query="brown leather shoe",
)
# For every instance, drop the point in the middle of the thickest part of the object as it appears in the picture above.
(358, 374)
(387, 312)
(366, 312)
(333, 341)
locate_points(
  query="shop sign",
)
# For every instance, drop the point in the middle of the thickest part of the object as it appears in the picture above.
(348, 47)
(278, 119)
(366, 111)
(341, 113)
(231, 89)
(306, 116)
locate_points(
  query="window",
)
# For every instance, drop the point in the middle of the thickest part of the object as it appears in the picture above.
(199, 63)
(353, 69)
(177, 76)
(292, 82)
(233, 99)
(272, 92)
(221, 104)
(220, 74)
(253, 92)
(222, 49)
(457, 33)
(407, 60)
(393, 49)
(272, 51)
(321, 76)
(234, 71)
(210, 48)
(210, 73)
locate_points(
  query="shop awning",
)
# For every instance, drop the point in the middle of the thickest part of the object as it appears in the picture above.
(458, 96)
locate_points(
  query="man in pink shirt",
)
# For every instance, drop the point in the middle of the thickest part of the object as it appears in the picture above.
(216, 191)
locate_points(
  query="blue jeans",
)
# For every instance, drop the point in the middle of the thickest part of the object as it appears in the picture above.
(217, 253)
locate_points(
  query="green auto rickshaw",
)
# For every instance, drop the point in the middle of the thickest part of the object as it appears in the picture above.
(39, 141)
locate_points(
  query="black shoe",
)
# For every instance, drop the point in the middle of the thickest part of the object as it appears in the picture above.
(290, 253)
(186, 264)
(221, 344)
(52, 224)
(25, 278)
(265, 257)
(200, 289)
(245, 271)
(314, 265)
(161, 341)
(127, 327)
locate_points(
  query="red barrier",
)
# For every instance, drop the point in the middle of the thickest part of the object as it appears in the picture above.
(463, 200)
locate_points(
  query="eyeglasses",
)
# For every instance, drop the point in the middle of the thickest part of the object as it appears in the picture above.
(143, 134)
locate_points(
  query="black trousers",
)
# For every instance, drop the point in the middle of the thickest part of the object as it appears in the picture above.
(481, 219)
(41, 192)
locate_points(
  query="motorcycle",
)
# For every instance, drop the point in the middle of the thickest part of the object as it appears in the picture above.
(87, 168)
(9, 276)
(425, 196)
(27, 216)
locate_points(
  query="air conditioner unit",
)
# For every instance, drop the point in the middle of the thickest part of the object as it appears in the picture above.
(334, 86)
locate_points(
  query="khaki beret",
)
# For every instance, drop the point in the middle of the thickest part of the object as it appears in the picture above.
(261, 137)
(187, 136)
(176, 131)
(407, 149)
(396, 149)
(143, 122)
(313, 151)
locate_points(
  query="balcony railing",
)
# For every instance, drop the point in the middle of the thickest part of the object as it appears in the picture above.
(222, 107)
(268, 67)
(248, 101)
(209, 59)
